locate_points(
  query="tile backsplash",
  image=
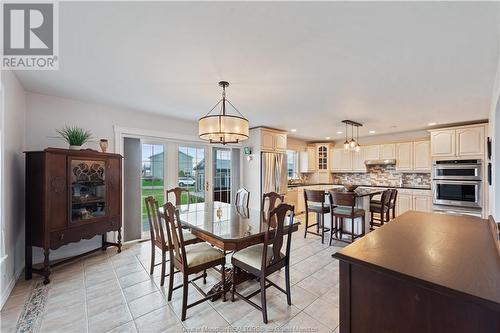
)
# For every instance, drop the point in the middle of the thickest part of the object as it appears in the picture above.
(384, 175)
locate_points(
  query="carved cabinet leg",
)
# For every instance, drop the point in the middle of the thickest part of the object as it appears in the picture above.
(104, 241)
(46, 266)
(119, 240)
(28, 262)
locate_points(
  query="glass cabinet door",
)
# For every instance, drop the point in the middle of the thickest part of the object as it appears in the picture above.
(88, 189)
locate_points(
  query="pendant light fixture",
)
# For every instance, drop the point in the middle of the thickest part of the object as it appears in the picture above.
(223, 127)
(352, 144)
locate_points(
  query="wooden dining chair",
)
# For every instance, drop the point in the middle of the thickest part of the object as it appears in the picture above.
(158, 237)
(177, 191)
(382, 210)
(270, 201)
(392, 202)
(343, 206)
(242, 197)
(315, 203)
(190, 259)
(261, 260)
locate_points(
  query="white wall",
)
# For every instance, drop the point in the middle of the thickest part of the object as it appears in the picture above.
(12, 184)
(46, 113)
(494, 133)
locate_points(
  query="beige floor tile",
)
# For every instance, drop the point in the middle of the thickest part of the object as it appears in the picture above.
(102, 288)
(106, 301)
(75, 326)
(127, 269)
(324, 312)
(15, 301)
(332, 296)
(160, 320)
(62, 298)
(109, 319)
(206, 318)
(148, 303)
(8, 319)
(314, 286)
(278, 313)
(133, 278)
(139, 290)
(327, 276)
(64, 316)
(301, 298)
(305, 323)
(232, 311)
(125, 328)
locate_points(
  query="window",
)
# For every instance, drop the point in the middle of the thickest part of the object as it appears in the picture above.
(152, 179)
(222, 175)
(292, 161)
(192, 173)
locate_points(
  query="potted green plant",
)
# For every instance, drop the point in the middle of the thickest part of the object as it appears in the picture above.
(75, 136)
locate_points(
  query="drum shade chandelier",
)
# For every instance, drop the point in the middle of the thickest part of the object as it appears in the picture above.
(352, 144)
(223, 127)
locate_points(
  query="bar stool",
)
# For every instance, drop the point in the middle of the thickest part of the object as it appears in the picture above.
(382, 209)
(392, 202)
(342, 207)
(315, 203)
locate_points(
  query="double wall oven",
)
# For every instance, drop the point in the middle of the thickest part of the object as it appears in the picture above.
(457, 183)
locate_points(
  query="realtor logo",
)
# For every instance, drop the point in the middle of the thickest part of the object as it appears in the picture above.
(29, 36)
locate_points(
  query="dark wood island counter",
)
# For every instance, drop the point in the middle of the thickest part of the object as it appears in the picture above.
(422, 272)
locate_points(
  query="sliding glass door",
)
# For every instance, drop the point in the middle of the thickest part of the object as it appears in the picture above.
(192, 172)
(152, 177)
(222, 174)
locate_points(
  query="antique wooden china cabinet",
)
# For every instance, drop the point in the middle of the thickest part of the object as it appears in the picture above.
(70, 195)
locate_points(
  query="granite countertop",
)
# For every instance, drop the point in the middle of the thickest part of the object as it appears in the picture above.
(365, 185)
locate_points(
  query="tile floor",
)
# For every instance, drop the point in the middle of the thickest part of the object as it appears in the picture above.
(110, 292)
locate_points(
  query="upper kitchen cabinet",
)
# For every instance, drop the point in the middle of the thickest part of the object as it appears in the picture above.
(387, 151)
(341, 160)
(358, 160)
(458, 142)
(372, 152)
(272, 140)
(322, 157)
(307, 160)
(422, 156)
(404, 156)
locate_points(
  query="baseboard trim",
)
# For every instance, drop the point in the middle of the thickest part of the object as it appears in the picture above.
(12, 284)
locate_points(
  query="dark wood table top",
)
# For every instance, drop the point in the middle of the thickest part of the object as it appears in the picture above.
(225, 225)
(362, 192)
(452, 254)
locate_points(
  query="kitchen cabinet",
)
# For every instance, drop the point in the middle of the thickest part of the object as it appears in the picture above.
(419, 200)
(458, 142)
(470, 141)
(422, 202)
(307, 160)
(372, 152)
(301, 206)
(341, 160)
(272, 141)
(291, 196)
(358, 160)
(422, 161)
(404, 203)
(387, 151)
(322, 157)
(404, 156)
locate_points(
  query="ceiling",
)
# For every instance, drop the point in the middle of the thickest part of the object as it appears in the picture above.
(391, 66)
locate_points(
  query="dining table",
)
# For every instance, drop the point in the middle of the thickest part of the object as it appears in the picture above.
(227, 227)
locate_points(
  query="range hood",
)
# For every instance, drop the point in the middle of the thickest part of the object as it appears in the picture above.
(380, 162)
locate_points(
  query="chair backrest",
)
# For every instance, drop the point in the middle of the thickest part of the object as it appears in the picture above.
(177, 191)
(270, 201)
(394, 196)
(338, 198)
(242, 197)
(174, 234)
(274, 236)
(155, 227)
(386, 198)
(317, 196)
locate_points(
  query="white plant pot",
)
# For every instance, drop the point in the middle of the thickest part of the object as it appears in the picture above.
(75, 147)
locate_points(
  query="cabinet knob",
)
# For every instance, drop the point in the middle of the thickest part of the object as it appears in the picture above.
(61, 236)
(113, 223)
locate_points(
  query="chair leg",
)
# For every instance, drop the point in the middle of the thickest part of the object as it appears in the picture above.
(307, 224)
(331, 229)
(287, 284)
(317, 223)
(204, 276)
(152, 269)
(233, 282)
(322, 226)
(263, 298)
(363, 225)
(371, 220)
(394, 212)
(185, 286)
(171, 281)
(163, 264)
(223, 278)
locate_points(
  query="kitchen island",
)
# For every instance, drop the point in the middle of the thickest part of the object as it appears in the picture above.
(422, 272)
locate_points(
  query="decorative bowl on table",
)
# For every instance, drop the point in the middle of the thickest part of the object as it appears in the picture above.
(350, 187)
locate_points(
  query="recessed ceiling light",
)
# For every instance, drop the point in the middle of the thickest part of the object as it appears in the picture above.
(293, 130)
(372, 132)
(432, 124)
(327, 137)
(340, 132)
